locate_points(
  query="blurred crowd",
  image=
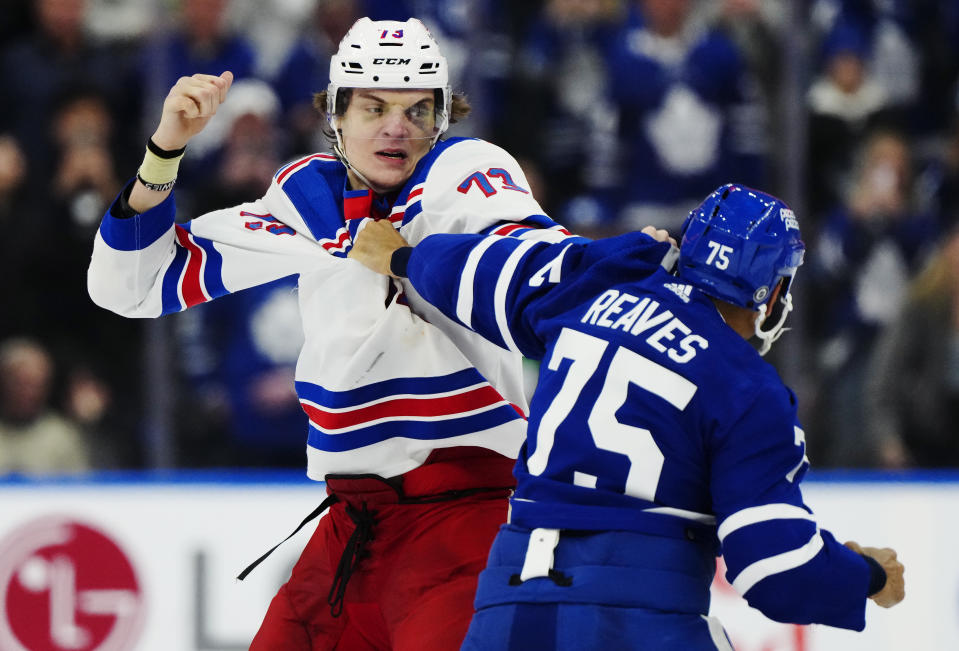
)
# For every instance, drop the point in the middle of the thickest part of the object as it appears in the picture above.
(622, 112)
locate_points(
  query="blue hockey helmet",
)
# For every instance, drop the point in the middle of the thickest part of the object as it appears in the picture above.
(737, 246)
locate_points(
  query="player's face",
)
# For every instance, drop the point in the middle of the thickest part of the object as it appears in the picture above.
(386, 132)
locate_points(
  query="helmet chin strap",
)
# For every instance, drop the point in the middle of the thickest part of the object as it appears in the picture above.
(346, 162)
(769, 336)
(338, 150)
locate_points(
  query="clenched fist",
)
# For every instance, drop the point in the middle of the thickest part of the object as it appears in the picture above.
(374, 245)
(895, 589)
(188, 108)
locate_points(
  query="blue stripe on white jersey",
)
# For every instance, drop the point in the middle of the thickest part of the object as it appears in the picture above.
(136, 233)
(314, 201)
(460, 403)
(413, 209)
(171, 282)
(412, 428)
(362, 395)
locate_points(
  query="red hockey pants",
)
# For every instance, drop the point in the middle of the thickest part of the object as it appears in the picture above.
(393, 564)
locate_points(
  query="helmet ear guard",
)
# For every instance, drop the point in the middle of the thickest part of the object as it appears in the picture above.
(737, 246)
(780, 309)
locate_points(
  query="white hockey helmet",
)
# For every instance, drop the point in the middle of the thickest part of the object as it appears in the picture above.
(390, 54)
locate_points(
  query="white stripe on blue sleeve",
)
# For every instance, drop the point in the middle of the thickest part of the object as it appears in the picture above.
(753, 574)
(764, 513)
(464, 298)
(502, 285)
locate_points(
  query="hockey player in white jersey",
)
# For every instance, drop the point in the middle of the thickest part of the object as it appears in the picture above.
(414, 420)
(657, 436)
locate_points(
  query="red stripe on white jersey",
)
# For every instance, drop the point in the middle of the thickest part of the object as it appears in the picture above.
(455, 405)
(508, 228)
(399, 211)
(341, 240)
(293, 167)
(191, 282)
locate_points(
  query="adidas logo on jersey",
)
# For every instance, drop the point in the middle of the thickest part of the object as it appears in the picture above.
(681, 290)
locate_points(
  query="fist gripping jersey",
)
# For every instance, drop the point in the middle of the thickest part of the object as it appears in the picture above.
(384, 377)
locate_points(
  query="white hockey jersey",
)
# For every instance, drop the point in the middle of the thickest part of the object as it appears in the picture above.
(384, 377)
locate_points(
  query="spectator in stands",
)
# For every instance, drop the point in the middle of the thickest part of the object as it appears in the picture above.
(20, 237)
(940, 177)
(37, 69)
(17, 20)
(239, 358)
(560, 83)
(912, 387)
(868, 250)
(247, 146)
(84, 179)
(689, 115)
(99, 353)
(239, 353)
(306, 69)
(201, 42)
(34, 438)
(760, 29)
(845, 104)
(13, 171)
(756, 28)
(914, 53)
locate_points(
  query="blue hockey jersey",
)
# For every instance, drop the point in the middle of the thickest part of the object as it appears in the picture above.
(651, 414)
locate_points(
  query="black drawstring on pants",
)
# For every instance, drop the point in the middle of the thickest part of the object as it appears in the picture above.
(353, 553)
(329, 501)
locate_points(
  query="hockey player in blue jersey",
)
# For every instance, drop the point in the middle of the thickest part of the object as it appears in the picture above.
(658, 437)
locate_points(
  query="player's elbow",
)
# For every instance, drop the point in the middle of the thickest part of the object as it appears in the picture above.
(778, 604)
(806, 602)
(106, 299)
(109, 297)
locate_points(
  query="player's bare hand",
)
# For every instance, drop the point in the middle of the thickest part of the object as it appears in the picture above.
(188, 108)
(374, 245)
(659, 234)
(895, 589)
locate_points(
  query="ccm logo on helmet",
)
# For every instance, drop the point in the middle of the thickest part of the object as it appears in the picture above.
(392, 61)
